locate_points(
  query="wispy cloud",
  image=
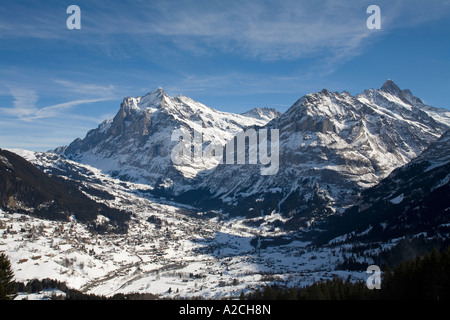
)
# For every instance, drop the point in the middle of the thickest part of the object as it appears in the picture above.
(242, 83)
(24, 106)
(262, 29)
(267, 30)
(40, 134)
(89, 89)
(24, 103)
(28, 125)
(58, 109)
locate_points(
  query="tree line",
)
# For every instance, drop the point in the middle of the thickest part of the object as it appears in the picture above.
(422, 278)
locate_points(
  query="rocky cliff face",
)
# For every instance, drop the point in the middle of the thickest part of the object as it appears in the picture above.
(137, 144)
(332, 146)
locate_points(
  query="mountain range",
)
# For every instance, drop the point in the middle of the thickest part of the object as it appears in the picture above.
(331, 147)
(413, 199)
(136, 145)
(356, 175)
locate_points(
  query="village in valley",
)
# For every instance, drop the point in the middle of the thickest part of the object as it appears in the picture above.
(168, 250)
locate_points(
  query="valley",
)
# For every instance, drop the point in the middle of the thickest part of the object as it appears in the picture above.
(112, 214)
(176, 254)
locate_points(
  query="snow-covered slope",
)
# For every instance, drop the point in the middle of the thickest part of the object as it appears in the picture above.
(332, 146)
(137, 144)
(413, 199)
(168, 250)
(265, 114)
(26, 189)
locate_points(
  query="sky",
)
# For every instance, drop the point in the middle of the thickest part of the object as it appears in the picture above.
(57, 83)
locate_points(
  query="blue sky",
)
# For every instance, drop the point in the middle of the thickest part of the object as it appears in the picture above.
(56, 83)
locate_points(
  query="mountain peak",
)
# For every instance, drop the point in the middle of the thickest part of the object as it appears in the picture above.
(157, 92)
(152, 99)
(391, 87)
(262, 113)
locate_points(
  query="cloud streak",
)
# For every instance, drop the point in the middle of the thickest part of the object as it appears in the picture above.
(24, 102)
(266, 30)
(25, 109)
(262, 29)
(107, 92)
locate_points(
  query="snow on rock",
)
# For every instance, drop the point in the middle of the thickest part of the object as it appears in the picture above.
(397, 199)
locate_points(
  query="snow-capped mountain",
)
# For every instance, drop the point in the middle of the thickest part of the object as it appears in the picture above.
(169, 250)
(413, 199)
(137, 144)
(336, 151)
(332, 146)
(265, 114)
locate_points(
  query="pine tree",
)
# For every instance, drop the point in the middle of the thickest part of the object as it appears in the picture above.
(7, 286)
(269, 294)
(292, 294)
